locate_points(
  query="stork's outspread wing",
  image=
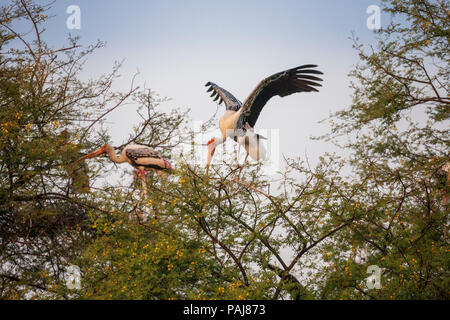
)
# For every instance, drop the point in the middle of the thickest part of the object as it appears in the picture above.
(282, 84)
(144, 156)
(230, 101)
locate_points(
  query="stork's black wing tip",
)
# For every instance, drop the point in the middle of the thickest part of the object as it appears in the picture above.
(306, 66)
(313, 71)
(209, 83)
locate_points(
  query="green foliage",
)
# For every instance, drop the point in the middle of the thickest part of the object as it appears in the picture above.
(48, 117)
(399, 118)
(226, 236)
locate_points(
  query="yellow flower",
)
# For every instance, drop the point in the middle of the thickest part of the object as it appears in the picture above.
(4, 126)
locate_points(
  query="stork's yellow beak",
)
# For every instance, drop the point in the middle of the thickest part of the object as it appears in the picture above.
(211, 150)
(93, 154)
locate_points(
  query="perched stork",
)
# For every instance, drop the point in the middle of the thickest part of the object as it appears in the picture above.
(240, 118)
(143, 158)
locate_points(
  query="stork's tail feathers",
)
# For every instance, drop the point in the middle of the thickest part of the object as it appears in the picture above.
(252, 144)
(260, 137)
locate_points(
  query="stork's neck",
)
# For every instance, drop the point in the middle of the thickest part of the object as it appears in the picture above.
(112, 154)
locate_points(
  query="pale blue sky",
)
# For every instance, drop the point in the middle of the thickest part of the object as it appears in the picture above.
(180, 45)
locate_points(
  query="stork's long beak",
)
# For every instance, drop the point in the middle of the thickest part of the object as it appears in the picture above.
(211, 150)
(93, 154)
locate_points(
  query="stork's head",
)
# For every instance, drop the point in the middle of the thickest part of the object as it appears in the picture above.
(102, 150)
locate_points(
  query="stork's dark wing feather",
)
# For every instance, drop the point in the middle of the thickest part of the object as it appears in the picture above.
(283, 83)
(231, 103)
(134, 154)
(143, 156)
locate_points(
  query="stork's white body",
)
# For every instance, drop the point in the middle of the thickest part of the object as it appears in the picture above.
(250, 141)
(227, 123)
(141, 163)
(252, 144)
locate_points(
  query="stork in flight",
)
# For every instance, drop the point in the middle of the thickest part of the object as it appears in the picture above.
(240, 118)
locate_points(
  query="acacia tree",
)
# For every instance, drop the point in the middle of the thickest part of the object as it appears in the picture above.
(226, 237)
(48, 117)
(318, 235)
(399, 123)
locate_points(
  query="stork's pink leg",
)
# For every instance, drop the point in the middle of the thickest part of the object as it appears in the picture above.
(142, 174)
